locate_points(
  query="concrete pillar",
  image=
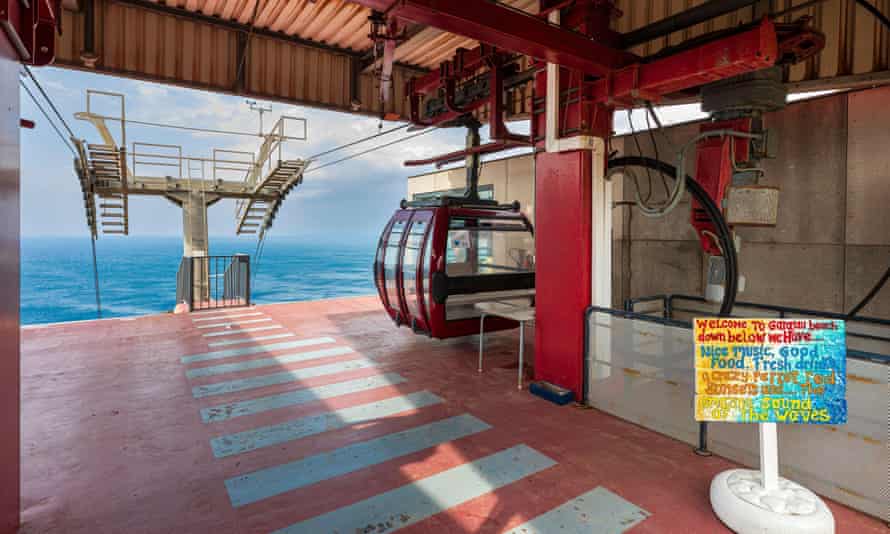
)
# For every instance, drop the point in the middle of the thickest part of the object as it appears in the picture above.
(194, 224)
(195, 244)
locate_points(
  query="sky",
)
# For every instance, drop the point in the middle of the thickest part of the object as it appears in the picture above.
(348, 202)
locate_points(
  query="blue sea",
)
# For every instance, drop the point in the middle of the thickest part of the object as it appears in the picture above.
(137, 275)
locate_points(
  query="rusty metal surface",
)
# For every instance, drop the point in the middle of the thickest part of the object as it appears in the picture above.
(856, 43)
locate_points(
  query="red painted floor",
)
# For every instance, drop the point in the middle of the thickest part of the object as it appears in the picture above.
(113, 440)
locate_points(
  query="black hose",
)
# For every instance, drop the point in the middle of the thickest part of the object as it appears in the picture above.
(714, 213)
(876, 12)
(726, 243)
(871, 294)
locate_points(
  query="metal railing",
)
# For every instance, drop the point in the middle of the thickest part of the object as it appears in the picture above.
(868, 338)
(207, 282)
(184, 285)
(236, 280)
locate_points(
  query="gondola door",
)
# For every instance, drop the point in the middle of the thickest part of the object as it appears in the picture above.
(388, 265)
(415, 270)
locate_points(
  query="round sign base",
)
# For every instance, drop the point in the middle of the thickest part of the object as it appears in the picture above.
(740, 501)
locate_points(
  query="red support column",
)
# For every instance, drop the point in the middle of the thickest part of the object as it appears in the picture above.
(566, 272)
(9, 288)
(563, 192)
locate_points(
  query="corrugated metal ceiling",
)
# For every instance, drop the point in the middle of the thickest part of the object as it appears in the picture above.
(337, 23)
(317, 52)
(857, 43)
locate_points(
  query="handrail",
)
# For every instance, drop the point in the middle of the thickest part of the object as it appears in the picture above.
(669, 308)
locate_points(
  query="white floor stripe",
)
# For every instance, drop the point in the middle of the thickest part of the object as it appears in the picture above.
(266, 362)
(233, 316)
(596, 512)
(268, 436)
(265, 483)
(210, 312)
(233, 323)
(412, 503)
(257, 349)
(283, 377)
(243, 330)
(296, 397)
(228, 342)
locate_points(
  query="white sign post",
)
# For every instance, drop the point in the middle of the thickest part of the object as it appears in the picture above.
(769, 456)
(761, 502)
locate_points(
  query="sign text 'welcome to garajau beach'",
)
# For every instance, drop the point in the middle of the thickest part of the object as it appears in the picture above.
(770, 370)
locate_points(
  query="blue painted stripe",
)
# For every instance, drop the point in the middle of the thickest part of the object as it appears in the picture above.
(257, 349)
(219, 317)
(234, 323)
(259, 485)
(596, 512)
(283, 377)
(300, 396)
(266, 362)
(243, 330)
(228, 342)
(295, 429)
(412, 503)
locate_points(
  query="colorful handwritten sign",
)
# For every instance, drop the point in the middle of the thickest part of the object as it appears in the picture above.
(770, 371)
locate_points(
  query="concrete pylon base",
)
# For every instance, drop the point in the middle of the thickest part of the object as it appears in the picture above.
(740, 501)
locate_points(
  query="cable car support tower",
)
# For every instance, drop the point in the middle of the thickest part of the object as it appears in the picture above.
(111, 171)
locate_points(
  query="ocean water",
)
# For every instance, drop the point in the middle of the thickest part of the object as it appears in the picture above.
(137, 275)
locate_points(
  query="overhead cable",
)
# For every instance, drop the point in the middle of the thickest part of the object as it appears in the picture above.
(68, 144)
(358, 141)
(372, 149)
(96, 278)
(49, 101)
(48, 119)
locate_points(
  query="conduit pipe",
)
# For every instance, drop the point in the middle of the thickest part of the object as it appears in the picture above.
(680, 185)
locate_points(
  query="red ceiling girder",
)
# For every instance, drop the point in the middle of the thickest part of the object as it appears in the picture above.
(732, 55)
(510, 29)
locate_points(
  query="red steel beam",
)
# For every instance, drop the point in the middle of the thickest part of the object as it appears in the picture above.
(513, 30)
(451, 157)
(737, 54)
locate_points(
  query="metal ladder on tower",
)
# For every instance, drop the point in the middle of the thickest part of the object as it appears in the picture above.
(106, 165)
(256, 215)
(87, 189)
(251, 210)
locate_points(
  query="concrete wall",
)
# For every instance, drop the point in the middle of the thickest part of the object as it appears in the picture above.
(9, 288)
(832, 240)
(511, 178)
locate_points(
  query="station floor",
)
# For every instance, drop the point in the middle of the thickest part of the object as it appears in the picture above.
(323, 417)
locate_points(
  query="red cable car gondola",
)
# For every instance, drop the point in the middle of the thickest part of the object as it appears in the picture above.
(436, 259)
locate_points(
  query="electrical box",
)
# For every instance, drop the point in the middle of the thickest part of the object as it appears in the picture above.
(752, 205)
